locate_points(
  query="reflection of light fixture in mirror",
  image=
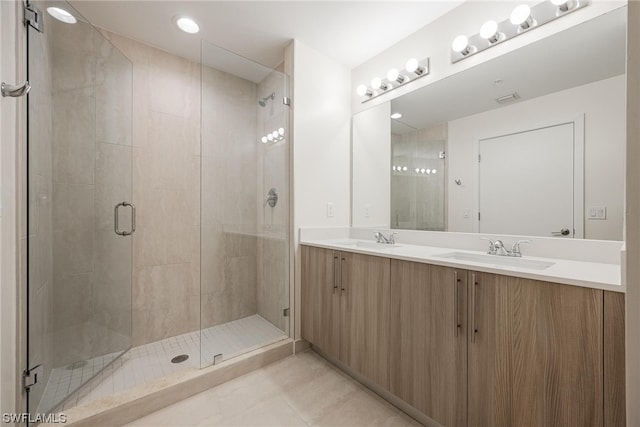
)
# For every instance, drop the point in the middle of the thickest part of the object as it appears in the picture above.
(270, 137)
(394, 76)
(187, 25)
(264, 140)
(433, 171)
(62, 15)
(423, 170)
(396, 115)
(376, 83)
(417, 170)
(281, 131)
(521, 16)
(394, 168)
(362, 90)
(563, 5)
(404, 168)
(461, 45)
(413, 66)
(489, 31)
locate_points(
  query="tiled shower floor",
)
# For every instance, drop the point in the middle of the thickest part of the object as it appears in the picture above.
(153, 361)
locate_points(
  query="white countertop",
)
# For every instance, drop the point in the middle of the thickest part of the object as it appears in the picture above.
(578, 273)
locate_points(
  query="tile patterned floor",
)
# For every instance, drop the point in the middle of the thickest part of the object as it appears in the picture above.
(301, 390)
(153, 361)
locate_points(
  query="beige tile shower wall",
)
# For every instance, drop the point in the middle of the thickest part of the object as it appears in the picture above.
(272, 222)
(229, 177)
(166, 191)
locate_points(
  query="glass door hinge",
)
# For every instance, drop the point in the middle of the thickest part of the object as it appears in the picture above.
(33, 17)
(31, 376)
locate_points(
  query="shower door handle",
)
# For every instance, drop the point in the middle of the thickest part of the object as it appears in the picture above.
(133, 219)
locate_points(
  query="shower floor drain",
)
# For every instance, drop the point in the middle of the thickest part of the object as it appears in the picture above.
(180, 359)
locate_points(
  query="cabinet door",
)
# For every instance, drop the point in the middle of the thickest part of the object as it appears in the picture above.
(320, 298)
(536, 355)
(428, 359)
(364, 315)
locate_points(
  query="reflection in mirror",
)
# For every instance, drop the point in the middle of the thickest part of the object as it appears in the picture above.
(418, 176)
(534, 142)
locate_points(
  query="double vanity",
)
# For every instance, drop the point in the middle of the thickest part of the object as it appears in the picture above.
(465, 338)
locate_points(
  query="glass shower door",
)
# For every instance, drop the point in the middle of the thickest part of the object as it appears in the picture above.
(79, 216)
(244, 279)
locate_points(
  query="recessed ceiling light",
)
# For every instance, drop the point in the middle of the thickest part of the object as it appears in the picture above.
(62, 15)
(396, 115)
(188, 25)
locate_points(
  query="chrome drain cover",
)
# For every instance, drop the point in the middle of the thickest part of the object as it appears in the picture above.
(180, 359)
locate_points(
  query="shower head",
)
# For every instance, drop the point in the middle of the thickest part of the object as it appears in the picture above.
(263, 101)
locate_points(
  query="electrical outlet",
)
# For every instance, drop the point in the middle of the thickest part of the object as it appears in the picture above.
(329, 210)
(367, 211)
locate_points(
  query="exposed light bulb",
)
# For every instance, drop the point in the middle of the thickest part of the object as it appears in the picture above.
(396, 115)
(376, 83)
(270, 137)
(281, 131)
(428, 171)
(433, 171)
(521, 16)
(423, 170)
(275, 134)
(394, 76)
(489, 31)
(264, 140)
(62, 15)
(461, 45)
(563, 5)
(188, 25)
(412, 65)
(394, 168)
(362, 90)
(404, 168)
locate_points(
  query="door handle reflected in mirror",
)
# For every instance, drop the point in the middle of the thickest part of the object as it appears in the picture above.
(562, 232)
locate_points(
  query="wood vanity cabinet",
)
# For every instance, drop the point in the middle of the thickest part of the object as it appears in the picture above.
(428, 353)
(469, 348)
(535, 353)
(345, 309)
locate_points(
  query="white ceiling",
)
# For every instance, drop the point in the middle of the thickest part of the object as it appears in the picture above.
(349, 31)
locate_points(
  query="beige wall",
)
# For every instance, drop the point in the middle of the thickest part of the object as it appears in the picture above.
(632, 220)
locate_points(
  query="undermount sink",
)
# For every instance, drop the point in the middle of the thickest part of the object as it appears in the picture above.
(498, 260)
(368, 245)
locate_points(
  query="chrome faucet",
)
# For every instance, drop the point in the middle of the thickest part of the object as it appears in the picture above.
(386, 240)
(498, 248)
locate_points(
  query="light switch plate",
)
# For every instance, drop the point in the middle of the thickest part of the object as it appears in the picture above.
(367, 211)
(597, 212)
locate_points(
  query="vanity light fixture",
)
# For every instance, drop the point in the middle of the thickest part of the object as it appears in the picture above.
(396, 115)
(394, 79)
(522, 19)
(187, 25)
(275, 136)
(62, 15)
(461, 45)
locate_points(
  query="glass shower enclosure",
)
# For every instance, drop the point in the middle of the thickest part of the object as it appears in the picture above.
(80, 218)
(244, 249)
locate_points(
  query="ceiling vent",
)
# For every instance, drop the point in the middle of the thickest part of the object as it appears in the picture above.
(508, 98)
